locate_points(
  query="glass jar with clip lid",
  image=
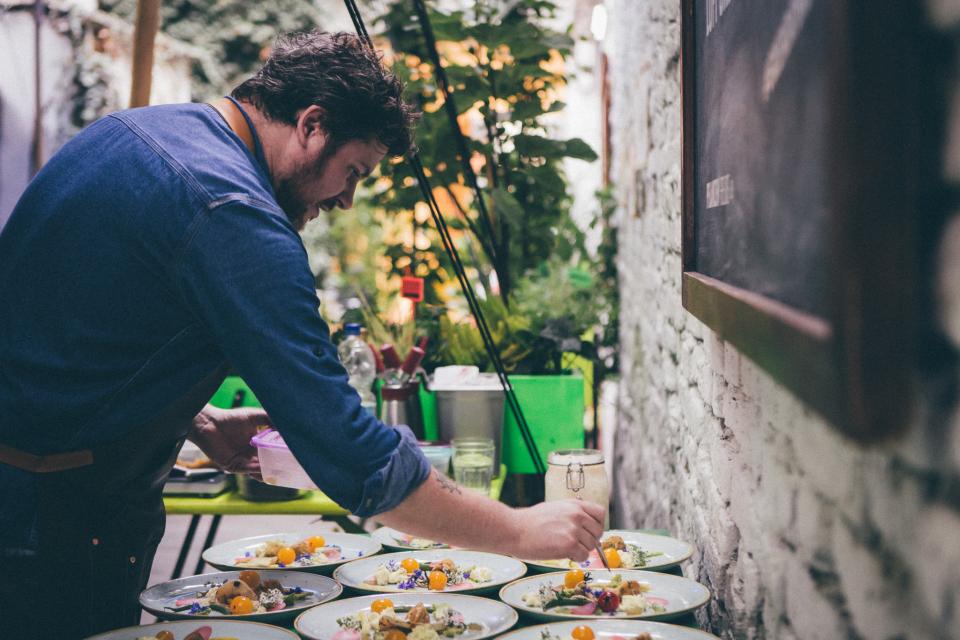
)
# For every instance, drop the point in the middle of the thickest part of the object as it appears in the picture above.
(577, 473)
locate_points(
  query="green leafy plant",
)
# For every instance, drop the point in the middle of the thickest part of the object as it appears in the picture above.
(506, 68)
(553, 311)
(461, 342)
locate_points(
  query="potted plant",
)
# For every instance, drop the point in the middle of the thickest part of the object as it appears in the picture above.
(549, 304)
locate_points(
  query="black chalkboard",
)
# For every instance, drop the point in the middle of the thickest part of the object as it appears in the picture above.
(799, 194)
(761, 127)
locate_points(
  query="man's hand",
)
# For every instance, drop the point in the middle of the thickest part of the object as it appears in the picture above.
(559, 529)
(224, 435)
(440, 510)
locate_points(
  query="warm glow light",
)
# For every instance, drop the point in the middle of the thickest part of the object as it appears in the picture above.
(598, 22)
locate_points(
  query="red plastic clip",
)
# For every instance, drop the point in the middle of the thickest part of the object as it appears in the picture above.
(412, 287)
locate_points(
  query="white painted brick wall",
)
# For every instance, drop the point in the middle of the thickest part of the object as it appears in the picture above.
(798, 532)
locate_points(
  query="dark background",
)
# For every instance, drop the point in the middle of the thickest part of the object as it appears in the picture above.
(772, 239)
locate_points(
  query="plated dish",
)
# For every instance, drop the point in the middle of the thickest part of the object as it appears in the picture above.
(197, 630)
(415, 616)
(604, 594)
(608, 630)
(627, 550)
(252, 595)
(393, 539)
(315, 552)
(438, 570)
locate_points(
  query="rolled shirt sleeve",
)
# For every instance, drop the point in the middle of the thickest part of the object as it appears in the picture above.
(244, 271)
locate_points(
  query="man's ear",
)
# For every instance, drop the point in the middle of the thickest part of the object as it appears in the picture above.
(310, 123)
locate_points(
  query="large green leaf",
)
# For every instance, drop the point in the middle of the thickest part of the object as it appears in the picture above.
(538, 146)
(506, 205)
(577, 148)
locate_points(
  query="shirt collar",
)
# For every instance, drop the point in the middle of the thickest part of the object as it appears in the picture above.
(257, 146)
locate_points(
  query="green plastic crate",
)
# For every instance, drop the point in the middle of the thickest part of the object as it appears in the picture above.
(553, 407)
(223, 398)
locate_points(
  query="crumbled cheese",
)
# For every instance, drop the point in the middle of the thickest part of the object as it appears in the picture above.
(633, 604)
(481, 574)
(423, 632)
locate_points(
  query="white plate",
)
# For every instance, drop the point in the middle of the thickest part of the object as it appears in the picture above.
(223, 556)
(155, 599)
(396, 540)
(610, 629)
(224, 628)
(504, 569)
(673, 552)
(320, 623)
(682, 594)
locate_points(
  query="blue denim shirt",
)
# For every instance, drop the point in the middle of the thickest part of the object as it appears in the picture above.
(149, 250)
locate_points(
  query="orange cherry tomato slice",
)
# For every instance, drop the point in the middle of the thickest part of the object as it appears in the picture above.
(380, 605)
(573, 578)
(316, 542)
(438, 580)
(583, 632)
(409, 565)
(613, 558)
(241, 605)
(286, 555)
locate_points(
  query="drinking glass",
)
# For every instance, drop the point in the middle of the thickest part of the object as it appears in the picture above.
(473, 463)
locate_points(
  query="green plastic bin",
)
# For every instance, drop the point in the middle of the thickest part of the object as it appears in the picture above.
(553, 407)
(223, 398)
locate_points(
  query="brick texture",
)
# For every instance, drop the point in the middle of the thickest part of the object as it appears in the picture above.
(798, 532)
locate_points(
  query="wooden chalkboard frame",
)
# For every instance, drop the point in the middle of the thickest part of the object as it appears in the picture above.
(854, 367)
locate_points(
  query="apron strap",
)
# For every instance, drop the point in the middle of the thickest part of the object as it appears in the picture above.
(235, 120)
(45, 464)
(168, 424)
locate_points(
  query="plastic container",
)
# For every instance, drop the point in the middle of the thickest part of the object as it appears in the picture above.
(471, 409)
(438, 454)
(256, 491)
(277, 464)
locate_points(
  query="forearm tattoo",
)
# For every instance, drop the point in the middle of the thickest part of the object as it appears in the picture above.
(447, 483)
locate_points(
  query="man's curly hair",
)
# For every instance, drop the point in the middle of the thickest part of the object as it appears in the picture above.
(341, 74)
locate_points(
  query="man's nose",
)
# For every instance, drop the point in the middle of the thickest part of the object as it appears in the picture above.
(345, 199)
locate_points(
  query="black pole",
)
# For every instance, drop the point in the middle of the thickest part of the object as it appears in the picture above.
(414, 157)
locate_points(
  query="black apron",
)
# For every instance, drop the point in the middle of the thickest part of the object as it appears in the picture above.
(98, 529)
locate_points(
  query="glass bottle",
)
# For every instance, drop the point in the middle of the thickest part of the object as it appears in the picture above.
(361, 366)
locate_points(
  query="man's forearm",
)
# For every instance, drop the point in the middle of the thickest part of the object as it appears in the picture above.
(441, 510)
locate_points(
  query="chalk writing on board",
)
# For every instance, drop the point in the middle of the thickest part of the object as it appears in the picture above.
(715, 10)
(720, 192)
(783, 42)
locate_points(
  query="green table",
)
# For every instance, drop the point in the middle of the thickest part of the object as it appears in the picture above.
(311, 503)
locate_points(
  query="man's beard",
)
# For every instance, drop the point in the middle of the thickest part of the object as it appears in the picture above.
(289, 195)
(292, 204)
(290, 199)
